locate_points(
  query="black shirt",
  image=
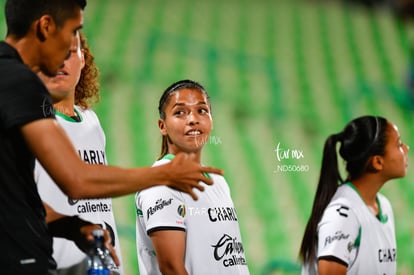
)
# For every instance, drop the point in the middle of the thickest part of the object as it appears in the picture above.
(25, 242)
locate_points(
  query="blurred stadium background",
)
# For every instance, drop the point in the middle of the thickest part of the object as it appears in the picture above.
(281, 74)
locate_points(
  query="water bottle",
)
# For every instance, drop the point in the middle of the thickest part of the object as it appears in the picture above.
(100, 260)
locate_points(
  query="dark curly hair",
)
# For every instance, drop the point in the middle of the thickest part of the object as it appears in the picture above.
(87, 89)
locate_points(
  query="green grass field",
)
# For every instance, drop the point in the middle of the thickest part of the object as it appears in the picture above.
(281, 74)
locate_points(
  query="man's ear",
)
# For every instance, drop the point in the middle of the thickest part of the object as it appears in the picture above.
(377, 162)
(161, 125)
(44, 26)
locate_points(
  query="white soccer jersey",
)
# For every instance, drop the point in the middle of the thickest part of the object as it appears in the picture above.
(213, 240)
(350, 232)
(89, 140)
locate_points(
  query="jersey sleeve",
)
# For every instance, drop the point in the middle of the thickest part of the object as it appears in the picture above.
(162, 208)
(27, 100)
(338, 233)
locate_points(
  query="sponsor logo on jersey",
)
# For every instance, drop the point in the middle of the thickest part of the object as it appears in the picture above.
(215, 214)
(386, 255)
(72, 201)
(350, 246)
(91, 206)
(92, 156)
(159, 205)
(219, 214)
(229, 251)
(181, 210)
(343, 211)
(339, 235)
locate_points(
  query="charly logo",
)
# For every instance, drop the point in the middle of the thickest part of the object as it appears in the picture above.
(343, 211)
(229, 251)
(215, 214)
(386, 255)
(218, 214)
(286, 157)
(92, 156)
(159, 205)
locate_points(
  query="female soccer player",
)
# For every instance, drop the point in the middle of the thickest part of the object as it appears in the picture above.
(73, 90)
(351, 227)
(176, 234)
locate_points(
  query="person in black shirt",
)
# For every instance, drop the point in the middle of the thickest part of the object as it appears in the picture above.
(40, 35)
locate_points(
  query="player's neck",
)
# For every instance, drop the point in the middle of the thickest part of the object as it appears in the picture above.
(368, 188)
(66, 107)
(194, 155)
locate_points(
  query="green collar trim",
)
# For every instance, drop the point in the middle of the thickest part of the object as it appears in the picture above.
(168, 156)
(171, 157)
(382, 218)
(68, 118)
(358, 239)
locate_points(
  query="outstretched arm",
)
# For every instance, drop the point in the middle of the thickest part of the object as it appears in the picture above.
(169, 247)
(77, 179)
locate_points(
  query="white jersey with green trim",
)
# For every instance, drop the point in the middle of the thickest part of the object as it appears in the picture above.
(213, 239)
(89, 140)
(350, 232)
